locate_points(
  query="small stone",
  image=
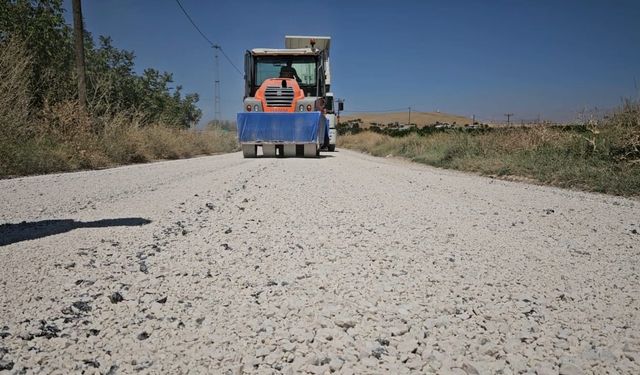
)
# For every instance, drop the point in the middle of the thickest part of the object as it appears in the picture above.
(605, 355)
(489, 349)
(48, 331)
(335, 364)
(517, 362)
(379, 352)
(272, 358)
(632, 356)
(82, 306)
(414, 363)
(228, 231)
(112, 370)
(469, 369)
(91, 362)
(209, 205)
(317, 370)
(162, 300)
(545, 369)
(6, 365)
(26, 336)
(143, 267)
(319, 360)
(563, 334)
(399, 330)
(116, 297)
(143, 336)
(345, 322)
(263, 352)
(93, 332)
(629, 348)
(408, 346)
(512, 345)
(289, 346)
(567, 368)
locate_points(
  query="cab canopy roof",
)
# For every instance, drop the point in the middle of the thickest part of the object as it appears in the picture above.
(282, 51)
(303, 41)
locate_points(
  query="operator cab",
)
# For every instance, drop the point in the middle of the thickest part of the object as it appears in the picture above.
(304, 64)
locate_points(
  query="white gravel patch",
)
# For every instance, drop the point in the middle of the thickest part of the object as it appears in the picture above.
(347, 264)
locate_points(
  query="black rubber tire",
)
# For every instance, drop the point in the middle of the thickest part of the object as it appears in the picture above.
(332, 148)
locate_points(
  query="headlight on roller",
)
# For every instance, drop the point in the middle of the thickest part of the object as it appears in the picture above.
(255, 108)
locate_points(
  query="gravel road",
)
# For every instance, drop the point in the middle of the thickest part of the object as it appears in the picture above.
(347, 263)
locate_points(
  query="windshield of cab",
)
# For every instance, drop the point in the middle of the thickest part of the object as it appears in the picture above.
(304, 69)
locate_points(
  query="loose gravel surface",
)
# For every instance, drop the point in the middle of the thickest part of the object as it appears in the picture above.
(347, 264)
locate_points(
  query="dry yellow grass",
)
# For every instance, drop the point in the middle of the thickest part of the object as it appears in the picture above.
(605, 160)
(418, 118)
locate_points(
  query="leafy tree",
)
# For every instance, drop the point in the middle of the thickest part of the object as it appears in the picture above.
(40, 26)
(113, 86)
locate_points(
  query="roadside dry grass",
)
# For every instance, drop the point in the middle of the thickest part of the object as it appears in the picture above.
(59, 137)
(600, 156)
(57, 146)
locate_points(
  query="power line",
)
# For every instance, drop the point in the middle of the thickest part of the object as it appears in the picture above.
(193, 23)
(229, 60)
(213, 45)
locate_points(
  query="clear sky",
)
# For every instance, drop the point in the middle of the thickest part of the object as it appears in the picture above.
(486, 58)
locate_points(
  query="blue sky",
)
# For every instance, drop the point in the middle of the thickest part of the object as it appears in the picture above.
(486, 58)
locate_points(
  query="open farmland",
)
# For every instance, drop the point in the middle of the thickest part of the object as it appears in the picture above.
(418, 118)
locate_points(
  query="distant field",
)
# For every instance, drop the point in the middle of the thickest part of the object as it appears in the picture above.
(418, 118)
(601, 156)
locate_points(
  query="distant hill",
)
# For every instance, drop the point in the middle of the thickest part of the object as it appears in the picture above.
(418, 118)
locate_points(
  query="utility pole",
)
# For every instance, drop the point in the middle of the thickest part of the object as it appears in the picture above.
(409, 117)
(508, 118)
(78, 36)
(217, 115)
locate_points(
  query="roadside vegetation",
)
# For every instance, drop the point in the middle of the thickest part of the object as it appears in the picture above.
(130, 117)
(598, 155)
